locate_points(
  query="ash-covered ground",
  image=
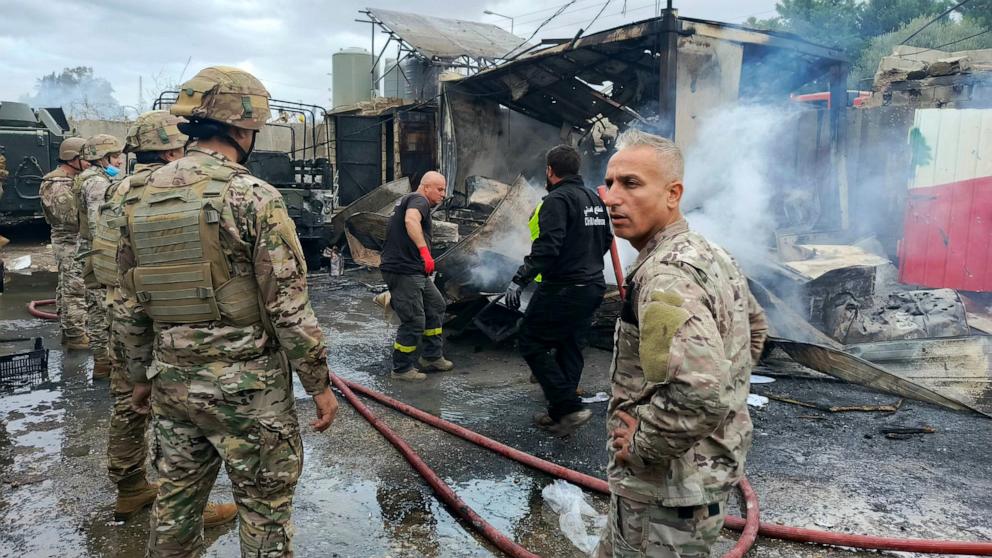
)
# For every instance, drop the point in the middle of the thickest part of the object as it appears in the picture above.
(359, 498)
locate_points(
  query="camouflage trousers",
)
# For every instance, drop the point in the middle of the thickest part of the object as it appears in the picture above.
(634, 529)
(202, 419)
(97, 322)
(70, 293)
(127, 446)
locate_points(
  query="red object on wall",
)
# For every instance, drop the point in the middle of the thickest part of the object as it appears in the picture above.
(947, 239)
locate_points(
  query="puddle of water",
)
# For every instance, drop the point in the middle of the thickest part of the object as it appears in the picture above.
(55, 499)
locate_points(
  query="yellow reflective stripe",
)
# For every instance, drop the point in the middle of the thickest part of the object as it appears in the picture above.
(535, 229)
(432, 332)
(535, 222)
(404, 348)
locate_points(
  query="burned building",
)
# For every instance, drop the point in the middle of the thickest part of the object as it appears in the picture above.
(387, 138)
(665, 75)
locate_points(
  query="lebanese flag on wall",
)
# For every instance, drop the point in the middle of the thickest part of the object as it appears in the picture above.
(947, 236)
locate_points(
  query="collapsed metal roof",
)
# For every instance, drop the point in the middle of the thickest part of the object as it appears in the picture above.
(436, 38)
(610, 73)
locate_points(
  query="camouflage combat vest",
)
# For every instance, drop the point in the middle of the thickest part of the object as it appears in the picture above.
(182, 275)
(107, 231)
(58, 201)
(87, 213)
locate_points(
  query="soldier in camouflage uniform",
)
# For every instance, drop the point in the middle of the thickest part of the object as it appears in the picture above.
(58, 202)
(687, 337)
(155, 140)
(105, 153)
(213, 261)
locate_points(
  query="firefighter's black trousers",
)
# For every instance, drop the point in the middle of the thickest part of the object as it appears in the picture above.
(552, 335)
(420, 307)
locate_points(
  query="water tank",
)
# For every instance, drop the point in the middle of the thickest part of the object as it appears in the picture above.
(393, 82)
(423, 84)
(352, 78)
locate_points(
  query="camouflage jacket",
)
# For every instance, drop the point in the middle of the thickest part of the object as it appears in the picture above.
(685, 343)
(58, 201)
(91, 189)
(115, 192)
(259, 239)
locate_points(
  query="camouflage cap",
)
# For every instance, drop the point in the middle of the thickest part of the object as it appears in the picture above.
(224, 94)
(155, 130)
(101, 145)
(70, 148)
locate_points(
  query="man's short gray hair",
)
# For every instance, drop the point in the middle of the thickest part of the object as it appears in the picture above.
(668, 153)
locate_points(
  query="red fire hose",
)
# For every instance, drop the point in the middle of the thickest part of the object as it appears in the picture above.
(592, 483)
(33, 309)
(614, 254)
(750, 527)
(443, 491)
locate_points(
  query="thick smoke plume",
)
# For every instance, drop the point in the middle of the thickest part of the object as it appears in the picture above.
(496, 263)
(730, 178)
(78, 92)
(730, 172)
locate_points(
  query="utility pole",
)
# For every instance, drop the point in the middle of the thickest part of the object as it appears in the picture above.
(141, 95)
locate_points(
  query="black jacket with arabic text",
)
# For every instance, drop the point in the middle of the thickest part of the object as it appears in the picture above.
(570, 233)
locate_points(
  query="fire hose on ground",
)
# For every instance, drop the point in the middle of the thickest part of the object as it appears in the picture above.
(34, 311)
(750, 526)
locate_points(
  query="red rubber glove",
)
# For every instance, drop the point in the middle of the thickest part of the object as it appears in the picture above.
(425, 253)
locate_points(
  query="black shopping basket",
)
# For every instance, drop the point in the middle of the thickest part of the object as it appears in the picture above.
(24, 370)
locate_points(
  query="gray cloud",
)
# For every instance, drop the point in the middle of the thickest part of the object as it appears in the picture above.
(286, 44)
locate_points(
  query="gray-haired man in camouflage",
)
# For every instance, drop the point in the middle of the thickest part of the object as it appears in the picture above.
(687, 337)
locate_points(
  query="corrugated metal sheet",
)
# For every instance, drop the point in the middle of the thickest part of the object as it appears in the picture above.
(436, 37)
(947, 238)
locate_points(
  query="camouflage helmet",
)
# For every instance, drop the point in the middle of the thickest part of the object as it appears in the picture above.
(70, 148)
(226, 95)
(101, 145)
(155, 130)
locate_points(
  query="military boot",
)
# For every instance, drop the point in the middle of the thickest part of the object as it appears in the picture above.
(218, 514)
(133, 494)
(101, 369)
(411, 375)
(439, 364)
(79, 343)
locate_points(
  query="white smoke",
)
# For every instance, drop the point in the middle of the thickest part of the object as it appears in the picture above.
(79, 92)
(729, 181)
(729, 184)
(495, 263)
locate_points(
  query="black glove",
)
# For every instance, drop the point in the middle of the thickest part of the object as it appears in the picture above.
(512, 297)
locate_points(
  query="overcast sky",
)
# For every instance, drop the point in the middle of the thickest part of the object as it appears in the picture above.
(287, 44)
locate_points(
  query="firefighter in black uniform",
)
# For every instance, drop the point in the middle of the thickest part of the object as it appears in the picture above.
(570, 234)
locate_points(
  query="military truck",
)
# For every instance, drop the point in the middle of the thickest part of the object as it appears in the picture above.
(306, 186)
(29, 149)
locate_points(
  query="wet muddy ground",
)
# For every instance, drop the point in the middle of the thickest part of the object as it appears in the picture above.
(358, 498)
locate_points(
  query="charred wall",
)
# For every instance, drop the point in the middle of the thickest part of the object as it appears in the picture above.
(480, 137)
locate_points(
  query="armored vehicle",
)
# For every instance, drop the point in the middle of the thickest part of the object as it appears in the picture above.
(306, 186)
(29, 149)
